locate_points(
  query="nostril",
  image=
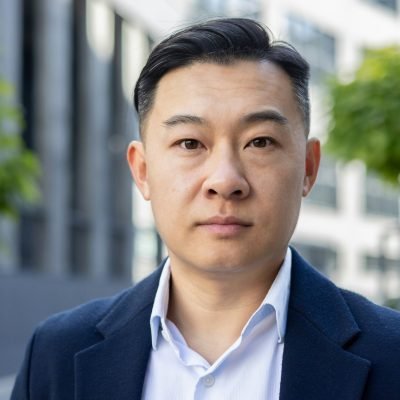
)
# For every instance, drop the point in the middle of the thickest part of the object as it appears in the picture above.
(238, 193)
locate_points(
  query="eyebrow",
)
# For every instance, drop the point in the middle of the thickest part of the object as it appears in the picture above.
(264, 116)
(184, 119)
(248, 119)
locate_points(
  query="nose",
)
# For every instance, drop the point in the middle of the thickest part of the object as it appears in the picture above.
(226, 179)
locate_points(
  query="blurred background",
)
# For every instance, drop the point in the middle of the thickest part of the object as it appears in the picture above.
(72, 225)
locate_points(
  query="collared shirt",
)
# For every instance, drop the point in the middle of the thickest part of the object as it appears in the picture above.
(249, 369)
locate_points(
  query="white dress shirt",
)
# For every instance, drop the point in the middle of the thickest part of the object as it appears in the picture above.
(250, 369)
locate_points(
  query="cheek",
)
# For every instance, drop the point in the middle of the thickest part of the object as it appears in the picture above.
(171, 193)
(294, 171)
(177, 180)
(280, 194)
(173, 188)
(281, 180)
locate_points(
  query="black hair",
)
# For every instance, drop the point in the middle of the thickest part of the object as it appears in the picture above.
(222, 41)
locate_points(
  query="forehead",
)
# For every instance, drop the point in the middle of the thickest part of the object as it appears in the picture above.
(213, 90)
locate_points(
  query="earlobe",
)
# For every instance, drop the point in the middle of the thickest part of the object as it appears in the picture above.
(137, 163)
(313, 157)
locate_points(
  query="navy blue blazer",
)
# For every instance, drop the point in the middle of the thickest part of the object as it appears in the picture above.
(338, 346)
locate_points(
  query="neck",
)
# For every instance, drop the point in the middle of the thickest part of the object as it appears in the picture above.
(210, 310)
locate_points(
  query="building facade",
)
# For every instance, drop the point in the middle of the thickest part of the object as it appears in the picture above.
(68, 61)
(72, 63)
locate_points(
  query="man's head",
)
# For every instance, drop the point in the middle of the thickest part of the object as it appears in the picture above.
(225, 159)
(221, 41)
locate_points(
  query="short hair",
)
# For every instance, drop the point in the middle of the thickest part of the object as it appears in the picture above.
(222, 41)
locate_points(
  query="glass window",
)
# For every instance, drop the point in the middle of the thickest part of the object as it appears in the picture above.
(380, 198)
(322, 257)
(388, 4)
(237, 8)
(373, 263)
(316, 46)
(324, 192)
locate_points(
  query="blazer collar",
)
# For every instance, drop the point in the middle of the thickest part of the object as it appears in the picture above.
(316, 364)
(115, 367)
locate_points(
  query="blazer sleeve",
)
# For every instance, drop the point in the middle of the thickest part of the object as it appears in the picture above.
(21, 390)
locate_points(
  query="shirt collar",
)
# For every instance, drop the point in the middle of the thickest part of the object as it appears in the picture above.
(160, 306)
(277, 298)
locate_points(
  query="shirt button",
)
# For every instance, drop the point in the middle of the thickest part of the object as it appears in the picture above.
(208, 380)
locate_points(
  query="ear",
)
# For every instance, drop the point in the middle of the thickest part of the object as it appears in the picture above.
(137, 163)
(313, 156)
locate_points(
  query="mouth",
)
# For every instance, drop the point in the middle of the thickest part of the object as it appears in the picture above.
(225, 225)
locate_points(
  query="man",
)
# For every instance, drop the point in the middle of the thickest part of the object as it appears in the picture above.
(233, 313)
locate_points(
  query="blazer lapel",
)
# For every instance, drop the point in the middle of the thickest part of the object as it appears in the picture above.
(115, 367)
(316, 364)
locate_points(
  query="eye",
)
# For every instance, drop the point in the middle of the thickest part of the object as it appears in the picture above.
(190, 144)
(260, 142)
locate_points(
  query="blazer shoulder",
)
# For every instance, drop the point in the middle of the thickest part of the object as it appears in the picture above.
(49, 358)
(380, 326)
(84, 320)
(379, 342)
(370, 314)
(75, 328)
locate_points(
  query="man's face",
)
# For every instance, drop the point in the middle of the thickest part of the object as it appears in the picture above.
(225, 164)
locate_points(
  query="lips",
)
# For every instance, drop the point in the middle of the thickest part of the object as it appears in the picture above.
(229, 220)
(225, 225)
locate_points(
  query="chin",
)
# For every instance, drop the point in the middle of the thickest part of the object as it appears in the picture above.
(225, 264)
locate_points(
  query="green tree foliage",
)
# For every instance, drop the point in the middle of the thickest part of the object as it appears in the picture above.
(365, 122)
(19, 167)
(393, 303)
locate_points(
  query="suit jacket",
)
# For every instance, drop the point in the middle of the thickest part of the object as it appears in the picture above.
(338, 346)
